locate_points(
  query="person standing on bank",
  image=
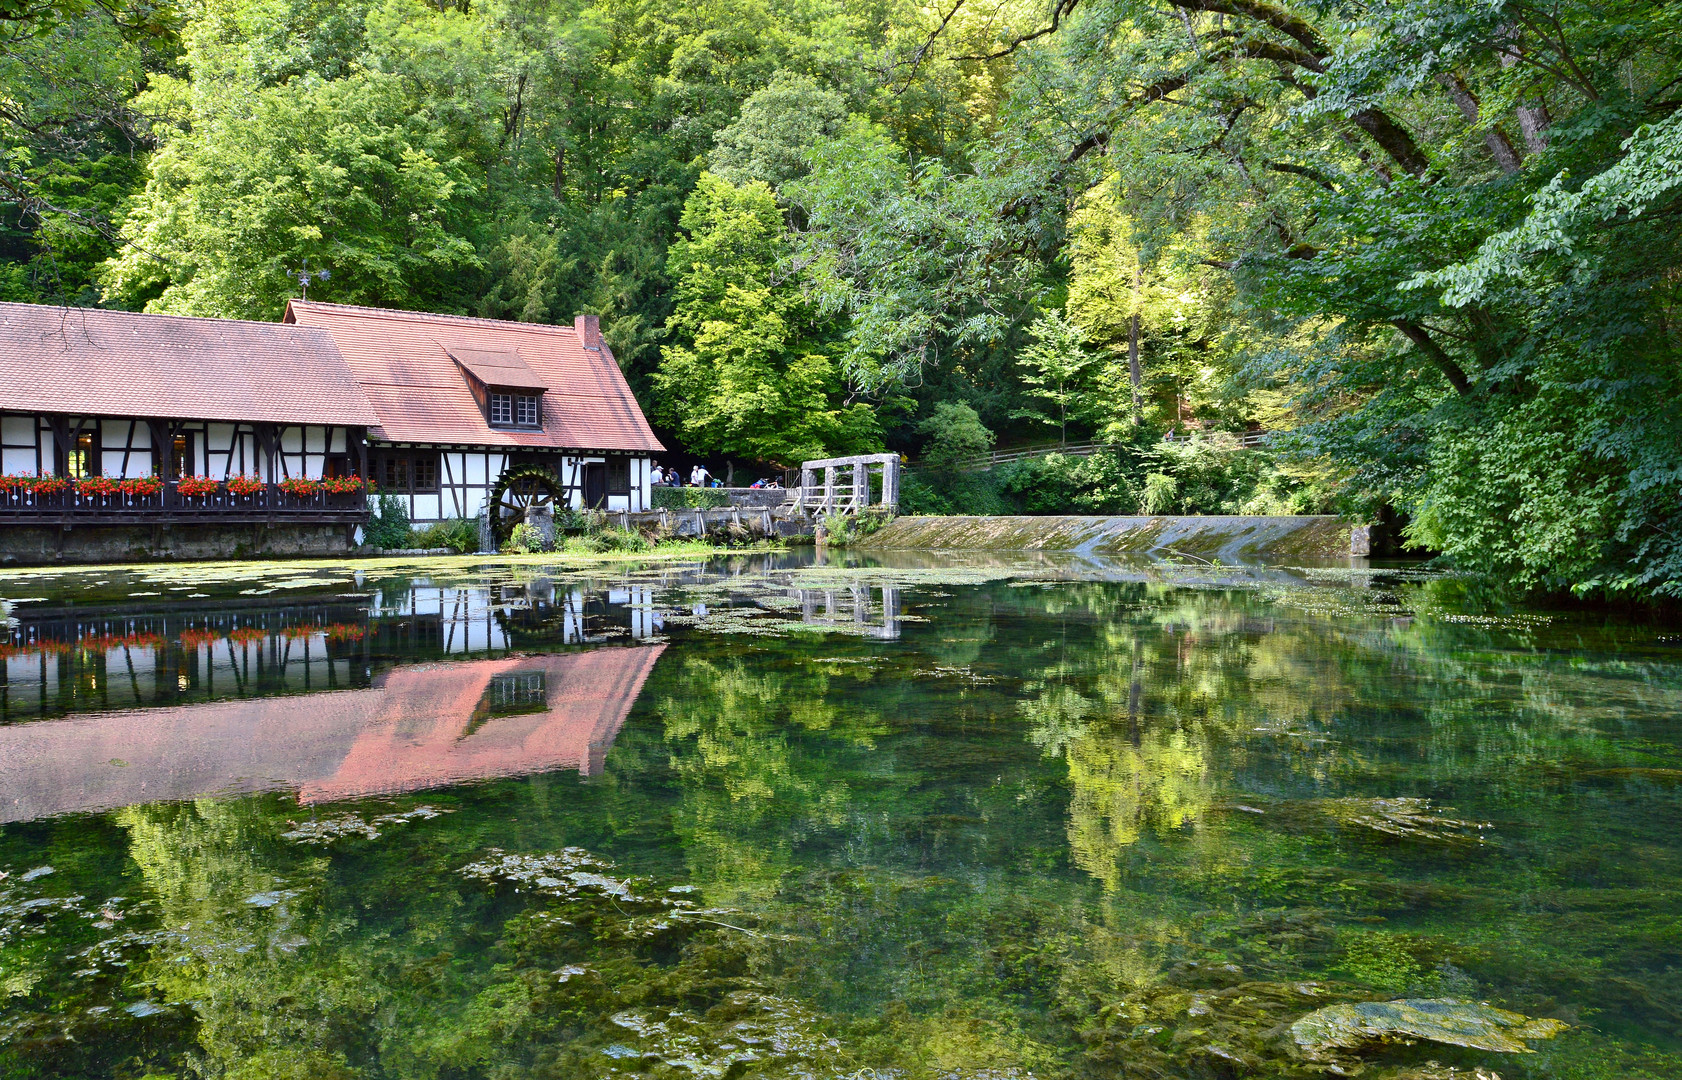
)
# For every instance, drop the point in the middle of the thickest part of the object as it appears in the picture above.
(699, 476)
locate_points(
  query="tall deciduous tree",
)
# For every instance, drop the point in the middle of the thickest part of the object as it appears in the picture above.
(345, 173)
(1057, 371)
(750, 370)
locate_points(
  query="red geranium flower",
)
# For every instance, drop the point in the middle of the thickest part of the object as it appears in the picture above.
(299, 486)
(141, 485)
(193, 486)
(244, 485)
(98, 485)
(341, 485)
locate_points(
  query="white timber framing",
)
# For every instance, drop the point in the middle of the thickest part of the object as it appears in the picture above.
(466, 475)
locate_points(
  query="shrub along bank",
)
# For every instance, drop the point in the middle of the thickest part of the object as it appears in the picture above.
(1196, 477)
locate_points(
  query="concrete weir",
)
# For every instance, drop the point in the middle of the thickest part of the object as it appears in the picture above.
(1224, 537)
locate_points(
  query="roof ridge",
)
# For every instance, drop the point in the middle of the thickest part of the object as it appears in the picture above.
(219, 320)
(401, 313)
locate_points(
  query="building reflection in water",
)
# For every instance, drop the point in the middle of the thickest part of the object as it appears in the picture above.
(415, 727)
(55, 664)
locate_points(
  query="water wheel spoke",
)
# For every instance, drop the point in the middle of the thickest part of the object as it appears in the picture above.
(526, 489)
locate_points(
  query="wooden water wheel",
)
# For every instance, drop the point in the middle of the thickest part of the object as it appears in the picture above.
(520, 490)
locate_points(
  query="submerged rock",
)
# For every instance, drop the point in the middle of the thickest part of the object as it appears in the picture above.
(1444, 1020)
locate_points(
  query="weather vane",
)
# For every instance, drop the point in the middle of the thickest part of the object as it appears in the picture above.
(304, 275)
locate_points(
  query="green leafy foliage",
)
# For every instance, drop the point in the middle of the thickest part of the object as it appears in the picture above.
(751, 371)
(460, 535)
(388, 523)
(525, 539)
(955, 433)
(345, 173)
(1196, 477)
(1060, 484)
(688, 498)
(1056, 373)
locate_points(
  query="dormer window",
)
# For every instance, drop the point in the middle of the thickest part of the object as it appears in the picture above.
(515, 410)
(509, 392)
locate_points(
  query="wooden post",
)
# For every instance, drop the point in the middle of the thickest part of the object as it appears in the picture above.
(861, 485)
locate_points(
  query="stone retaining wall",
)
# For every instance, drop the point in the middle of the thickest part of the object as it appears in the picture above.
(1206, 537)
(33, 546)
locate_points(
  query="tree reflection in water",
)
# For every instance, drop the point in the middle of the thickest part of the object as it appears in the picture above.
(1081, 829)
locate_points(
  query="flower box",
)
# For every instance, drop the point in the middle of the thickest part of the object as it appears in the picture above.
(49, 485)
(342, 485)
(195, 486)
(299, 487)
(98, 485)
(141, 486)
(245, 485)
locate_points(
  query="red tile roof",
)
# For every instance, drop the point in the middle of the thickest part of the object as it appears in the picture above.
(91, 362)
(498, 368)
(403, 361)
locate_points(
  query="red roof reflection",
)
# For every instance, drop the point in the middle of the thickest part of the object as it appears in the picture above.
(418, 727)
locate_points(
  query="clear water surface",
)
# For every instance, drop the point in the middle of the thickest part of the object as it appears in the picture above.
(764, 817)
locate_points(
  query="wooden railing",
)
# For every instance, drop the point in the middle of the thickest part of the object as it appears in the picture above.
(267, 504)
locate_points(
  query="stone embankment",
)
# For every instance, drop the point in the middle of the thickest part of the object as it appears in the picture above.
(1225, 538)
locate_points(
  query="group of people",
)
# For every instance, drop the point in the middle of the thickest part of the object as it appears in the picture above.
(700, 477)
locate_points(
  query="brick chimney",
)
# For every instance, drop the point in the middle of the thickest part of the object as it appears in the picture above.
(589, 329)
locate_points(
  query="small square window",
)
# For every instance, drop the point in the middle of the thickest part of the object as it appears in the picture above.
(394, 475)
(502, 409)
(425, 469)
(526, 410)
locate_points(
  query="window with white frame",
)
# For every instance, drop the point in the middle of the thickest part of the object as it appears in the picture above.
(502, 408)
(526, 410)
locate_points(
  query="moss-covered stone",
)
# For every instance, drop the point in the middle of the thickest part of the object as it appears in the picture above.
(1352, 1026)
(1205, 538)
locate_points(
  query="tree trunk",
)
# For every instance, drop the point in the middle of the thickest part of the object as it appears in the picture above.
(1500, 147)
(1533, 118)
(1135, 373)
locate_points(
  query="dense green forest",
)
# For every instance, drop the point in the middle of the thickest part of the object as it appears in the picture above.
(1431, 245)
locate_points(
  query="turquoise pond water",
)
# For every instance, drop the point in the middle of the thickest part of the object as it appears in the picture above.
(771, 817)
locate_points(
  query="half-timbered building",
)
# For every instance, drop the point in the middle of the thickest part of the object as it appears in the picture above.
(466, 405)
(114, 418)
(89, 394)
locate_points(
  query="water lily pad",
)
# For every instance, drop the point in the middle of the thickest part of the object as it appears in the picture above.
(1444, 1020)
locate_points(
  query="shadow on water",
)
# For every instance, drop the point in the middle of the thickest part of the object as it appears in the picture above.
(826, 816)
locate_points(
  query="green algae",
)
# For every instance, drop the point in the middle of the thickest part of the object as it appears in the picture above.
(1065, 829)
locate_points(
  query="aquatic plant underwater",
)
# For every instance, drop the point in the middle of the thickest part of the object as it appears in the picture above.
(1016, 820)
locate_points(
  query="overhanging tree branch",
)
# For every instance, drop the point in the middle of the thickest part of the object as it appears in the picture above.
(1435, 353)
